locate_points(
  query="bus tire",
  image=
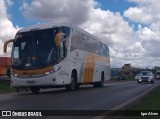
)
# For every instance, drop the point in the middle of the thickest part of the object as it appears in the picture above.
(35, 89)
(73, 85)
(101, 83)
(18, 89)
(77, 86)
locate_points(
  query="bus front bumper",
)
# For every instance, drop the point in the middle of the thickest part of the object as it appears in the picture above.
(48, 80)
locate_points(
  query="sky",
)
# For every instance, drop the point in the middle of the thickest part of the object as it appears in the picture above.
(131, 28)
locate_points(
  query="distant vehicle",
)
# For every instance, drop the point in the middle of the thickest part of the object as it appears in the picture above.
(136, 77)
(146, 76)
(121, 77)
(158, 73)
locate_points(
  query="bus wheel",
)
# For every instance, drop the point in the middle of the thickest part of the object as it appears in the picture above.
(18, 89)
(101, 83)
(77, 86)
(73, 84)
(35, 89)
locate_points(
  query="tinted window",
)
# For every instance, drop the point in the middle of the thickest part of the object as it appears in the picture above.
(34, 49)
(85, 43)
(146, 73)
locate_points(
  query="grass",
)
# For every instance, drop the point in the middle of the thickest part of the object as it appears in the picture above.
(148, 104)
(5, 86)
(130, 77)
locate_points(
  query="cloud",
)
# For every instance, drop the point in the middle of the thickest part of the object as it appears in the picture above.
(150, 40)
(148, 33)
(146, 11)
(7, 30)
(108, 26)
(138, 15)
(126, 44)
(147, 15)
(75, 11)
(9, 2)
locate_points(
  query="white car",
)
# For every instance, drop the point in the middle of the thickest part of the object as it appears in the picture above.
(158, 75)
(146, 76)
(137, 77)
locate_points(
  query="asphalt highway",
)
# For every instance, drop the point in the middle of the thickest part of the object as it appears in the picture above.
(87, 98)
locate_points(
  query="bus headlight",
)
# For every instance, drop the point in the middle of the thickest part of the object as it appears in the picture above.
(53, 71)
(49, 72)
(15, 75)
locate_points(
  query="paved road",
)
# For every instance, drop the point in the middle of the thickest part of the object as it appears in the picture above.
(87, 98)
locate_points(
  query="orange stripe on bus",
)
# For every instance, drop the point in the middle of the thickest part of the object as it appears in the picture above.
(32, 72)
(89, 66)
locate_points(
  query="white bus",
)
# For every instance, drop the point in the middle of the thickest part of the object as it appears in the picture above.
(57, 55)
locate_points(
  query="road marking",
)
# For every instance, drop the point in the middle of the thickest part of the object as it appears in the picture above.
(125, 103)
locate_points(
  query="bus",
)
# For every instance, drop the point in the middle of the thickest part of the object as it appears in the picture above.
(57, 54)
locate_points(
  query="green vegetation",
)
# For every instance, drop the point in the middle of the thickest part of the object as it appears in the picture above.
(131, 77)
(113, 79)
(149, 103)
(5, 86)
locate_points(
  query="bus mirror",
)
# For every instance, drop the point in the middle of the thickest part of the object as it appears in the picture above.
(5, 45)
(58, 38)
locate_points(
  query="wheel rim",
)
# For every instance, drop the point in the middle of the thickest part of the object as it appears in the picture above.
(102, 79)
(73, 83)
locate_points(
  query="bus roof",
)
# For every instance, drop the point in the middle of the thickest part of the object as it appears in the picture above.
(56, 24)
(44, 26)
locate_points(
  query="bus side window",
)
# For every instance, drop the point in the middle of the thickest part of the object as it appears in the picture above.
(62, 50)
(66, 31)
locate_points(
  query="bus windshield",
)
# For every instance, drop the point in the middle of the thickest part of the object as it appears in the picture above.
(146, 73)
(158, 73)
(35, 49)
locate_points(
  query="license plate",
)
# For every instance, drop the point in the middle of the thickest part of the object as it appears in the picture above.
(31, 82)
